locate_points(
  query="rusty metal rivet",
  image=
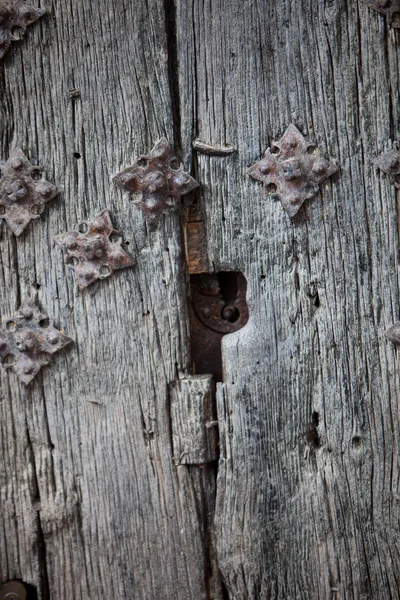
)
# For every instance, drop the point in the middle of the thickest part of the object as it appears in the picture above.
(15, 17)
(157, 177)
(389, 163)
(13, 590)
(292, 170)
(22, 196)
(95, 250)
(390, 8)
(393, 333)
(27, 339)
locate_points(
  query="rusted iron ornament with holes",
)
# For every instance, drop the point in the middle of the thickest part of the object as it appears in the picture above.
(389, 163)
(390, 8)
(95, 250)
(292, 170)
(159, 179)
(27, 339)
(15, 17)
(24, 191)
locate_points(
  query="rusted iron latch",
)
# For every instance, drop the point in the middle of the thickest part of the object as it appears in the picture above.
(292, 170)
(23, 191)
(217, 306)
(15, 17)
(28, 339)
(94, 251)
(159, 179)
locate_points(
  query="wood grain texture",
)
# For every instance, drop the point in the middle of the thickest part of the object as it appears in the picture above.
(92, 505)
(302, 516)
(193, 420)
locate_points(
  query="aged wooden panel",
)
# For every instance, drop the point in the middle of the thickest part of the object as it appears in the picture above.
(193, 420)
(308, 483)
(92, 505)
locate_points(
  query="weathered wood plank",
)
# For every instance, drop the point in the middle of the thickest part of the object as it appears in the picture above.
(92, 504)
(193, 420)
(302, 516)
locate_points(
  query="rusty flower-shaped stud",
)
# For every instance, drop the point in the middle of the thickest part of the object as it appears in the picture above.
(158, 177)
(27, 340)
(15, 17)
(390, 8)
(292, 170)
(389, 163)
(23, 191)
(95, 250)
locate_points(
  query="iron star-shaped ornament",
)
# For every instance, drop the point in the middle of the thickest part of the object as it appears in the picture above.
(24, 191)
(158, 177)
(15, 17)
(27, 340)
(95, 250)
(292, 170)
(389, 163)
(390, 8)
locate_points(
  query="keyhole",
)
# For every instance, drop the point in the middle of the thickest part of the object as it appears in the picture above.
(217, 307)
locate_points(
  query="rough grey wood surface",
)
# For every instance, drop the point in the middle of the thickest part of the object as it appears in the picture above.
(92, 505)
(193, 420)
(308, 483)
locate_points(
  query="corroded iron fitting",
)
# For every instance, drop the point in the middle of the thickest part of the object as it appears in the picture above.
(95, 250)
(390, 8)
(159, 179)
(24, 191)
(393, 333)
(15, 17)
(389, 163)
(292, 170)
(28, 339)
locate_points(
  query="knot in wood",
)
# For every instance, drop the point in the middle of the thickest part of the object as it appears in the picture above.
(94, 251)
(292, 170)
(158, 177)
(27, 340)
(15, 17)
(23, 192)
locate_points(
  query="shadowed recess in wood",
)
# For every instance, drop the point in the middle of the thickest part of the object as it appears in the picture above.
(217, 306)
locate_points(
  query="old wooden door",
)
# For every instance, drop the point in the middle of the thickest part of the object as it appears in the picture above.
(304, 500)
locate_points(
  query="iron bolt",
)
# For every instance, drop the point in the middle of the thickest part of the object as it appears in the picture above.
(13, 590)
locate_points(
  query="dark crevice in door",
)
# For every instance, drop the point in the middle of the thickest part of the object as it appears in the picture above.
(40, 541)
(170, 24)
